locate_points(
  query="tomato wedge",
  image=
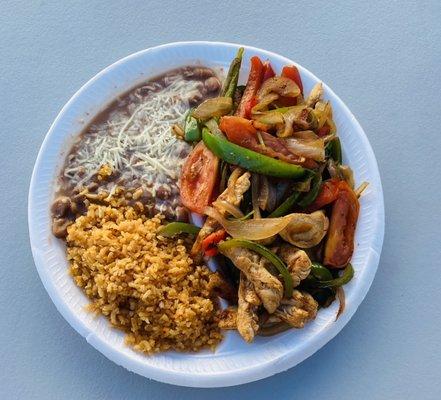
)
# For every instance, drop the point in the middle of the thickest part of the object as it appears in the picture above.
(340, 242)
(198, 178)
(328, 194)
(253, 85)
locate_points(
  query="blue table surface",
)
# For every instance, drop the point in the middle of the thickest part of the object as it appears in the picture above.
(382, 57)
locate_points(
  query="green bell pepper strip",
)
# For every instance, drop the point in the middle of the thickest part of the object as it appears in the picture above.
(175, 228)
(285, 207)
(264, 252)
(192, 130)
(250, 160)
(310, 196)
(347, 275)
(230, 84)
(320, 272)
(333, 150)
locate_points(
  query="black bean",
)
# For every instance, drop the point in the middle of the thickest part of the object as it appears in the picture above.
(195, 98)
(61, 207)
(162, 193)
(198, 72)
(59, 227)
(212, 84)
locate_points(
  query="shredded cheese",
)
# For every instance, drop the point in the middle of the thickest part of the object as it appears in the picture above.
(136, 141)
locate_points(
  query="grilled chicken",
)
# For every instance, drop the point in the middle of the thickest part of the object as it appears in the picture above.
(296, 311)
(268, 287)
(247, 318)
(297, 262)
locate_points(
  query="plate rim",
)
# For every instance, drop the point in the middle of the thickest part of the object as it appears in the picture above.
(223, 379)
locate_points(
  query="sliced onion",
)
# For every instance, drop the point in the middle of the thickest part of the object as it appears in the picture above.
(263, 196)
(271, 118)
(359, 191)
(264, 103)
(348, 175)
(298, 115)
(215, 107)
(315, 95)
(314, 149)
(342, 302)
(227, 208)
(255, 195)
(279, 84)
(306, 230)
(305, 135)
(212, 125)
(251, 229)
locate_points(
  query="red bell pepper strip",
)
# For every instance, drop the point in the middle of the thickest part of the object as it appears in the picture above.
(268, 71)
(340, 242)
(253, 85)
(328, 194)
(209, 244)
(291, 72)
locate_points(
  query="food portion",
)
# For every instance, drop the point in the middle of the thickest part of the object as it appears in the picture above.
(261, 162)
(281, 208)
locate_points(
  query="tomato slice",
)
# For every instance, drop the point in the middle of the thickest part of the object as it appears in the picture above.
(198, 178)
(340, 242)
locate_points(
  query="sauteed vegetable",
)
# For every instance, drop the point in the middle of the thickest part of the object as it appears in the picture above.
(281, 209)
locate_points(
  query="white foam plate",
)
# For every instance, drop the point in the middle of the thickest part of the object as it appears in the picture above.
(234, 362)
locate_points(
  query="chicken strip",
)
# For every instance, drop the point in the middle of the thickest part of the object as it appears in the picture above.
(297, 262)
(296, 311)
(268, 287)
(238, 184)
(247, 318)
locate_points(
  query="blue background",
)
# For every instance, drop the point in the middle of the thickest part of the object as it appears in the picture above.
(382, 57)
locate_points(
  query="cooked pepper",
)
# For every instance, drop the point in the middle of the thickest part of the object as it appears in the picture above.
(264, 252)
(250, 160)
(320, 272)
(243, 132)
(253, 84)
(333, 150)
(175, 228)
(327, 194)
(291, 72)
(347, 275)
(310, 196)
(340, 243)
(268, 71)
(285, 207)
(230, 84)
(209, 243)
(192, 129)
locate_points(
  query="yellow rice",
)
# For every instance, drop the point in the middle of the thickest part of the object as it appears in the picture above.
(146, 285)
